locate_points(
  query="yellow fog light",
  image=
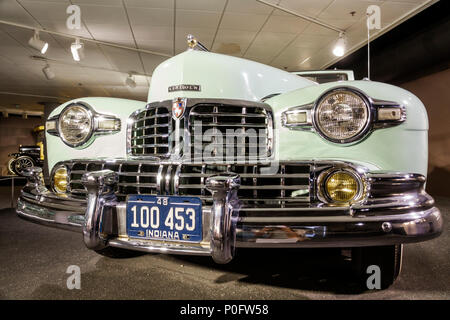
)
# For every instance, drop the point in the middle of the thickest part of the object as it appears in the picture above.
(342, 186)
(60, 180)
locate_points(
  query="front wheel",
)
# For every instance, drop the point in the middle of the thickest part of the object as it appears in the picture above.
(377, 267)
(11, 166)
(118, 253)
(21, 163)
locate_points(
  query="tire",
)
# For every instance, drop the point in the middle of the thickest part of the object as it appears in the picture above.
(21, 163)
(119, 253)
(387, 258)
(11, 166)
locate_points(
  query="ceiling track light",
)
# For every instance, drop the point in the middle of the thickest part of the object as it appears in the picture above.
(77, 49)
(36, 43)
(339, 47)
(49, 74)
(130, 81)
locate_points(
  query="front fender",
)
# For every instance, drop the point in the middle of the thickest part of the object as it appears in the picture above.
(105, 146)
(402, 148)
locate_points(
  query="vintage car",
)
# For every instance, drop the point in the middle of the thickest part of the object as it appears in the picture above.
(28, 156)
(229, 153)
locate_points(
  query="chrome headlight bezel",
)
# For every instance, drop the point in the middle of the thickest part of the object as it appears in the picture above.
(380, 114)
(90, 116)
(365, 128)
(52, 178)
(101, 124)
(360, 177)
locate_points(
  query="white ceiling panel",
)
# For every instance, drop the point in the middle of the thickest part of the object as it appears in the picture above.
(106, 3)
(288, 24)
(233, 42)
(197, 19)
(150, 33)
(276, 39)
(201, 5)
(162, 17)
(123, 60)
(242, 21)
(10, 10)
(341, 9)
(248, 6)
(393, 10)
(103, 14)
(45, 10)
(112, 33)
(153, 4)
(308, 7)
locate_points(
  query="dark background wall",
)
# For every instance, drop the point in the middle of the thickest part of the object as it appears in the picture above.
(416, 56)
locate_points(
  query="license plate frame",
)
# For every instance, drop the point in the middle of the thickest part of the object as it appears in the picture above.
(154, 223)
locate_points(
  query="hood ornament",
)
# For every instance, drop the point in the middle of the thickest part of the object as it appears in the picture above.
(194, 44)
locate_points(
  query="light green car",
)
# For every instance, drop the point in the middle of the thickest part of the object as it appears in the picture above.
(228, 153)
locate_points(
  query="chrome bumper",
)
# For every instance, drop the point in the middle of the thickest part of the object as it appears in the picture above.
(227, 225)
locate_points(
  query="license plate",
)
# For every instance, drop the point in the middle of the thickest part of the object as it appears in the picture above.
(170, 218)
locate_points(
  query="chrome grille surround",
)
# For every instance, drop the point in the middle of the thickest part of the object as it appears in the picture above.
(152, 132)
(148, 132)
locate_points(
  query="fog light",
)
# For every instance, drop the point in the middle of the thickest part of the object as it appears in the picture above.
(341, 186)
(60, 180)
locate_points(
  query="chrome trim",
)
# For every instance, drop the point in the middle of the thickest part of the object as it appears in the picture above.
(373, 105)
(224, 215)
(95, 117)
(397, 210)
(100, 190)
(52, 175)
(340, 232)
(323, 195)
(185, 126)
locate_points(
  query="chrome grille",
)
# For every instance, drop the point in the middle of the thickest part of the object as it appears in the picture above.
(290, 185)
(245, 131)
(149, 132)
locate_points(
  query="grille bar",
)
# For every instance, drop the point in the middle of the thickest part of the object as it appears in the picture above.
(149, 132)
(290, 185)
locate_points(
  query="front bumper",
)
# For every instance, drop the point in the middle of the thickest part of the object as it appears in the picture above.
(399, 218)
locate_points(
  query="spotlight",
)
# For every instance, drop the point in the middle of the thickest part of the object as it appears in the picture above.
(77, 50)
(37, 43)
(339, 48)
(130, 81)
(49, 74)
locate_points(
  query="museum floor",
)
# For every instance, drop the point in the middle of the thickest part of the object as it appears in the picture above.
(34, 260)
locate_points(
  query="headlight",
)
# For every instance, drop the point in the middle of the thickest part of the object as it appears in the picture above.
(342, 116)
(60, 179)
(75, 125)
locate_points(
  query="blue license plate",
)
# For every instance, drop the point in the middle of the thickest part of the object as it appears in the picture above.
(169, 218)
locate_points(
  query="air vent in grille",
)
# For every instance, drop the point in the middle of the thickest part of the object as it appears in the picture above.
(149, 132)
(230, 131)
(290, 185)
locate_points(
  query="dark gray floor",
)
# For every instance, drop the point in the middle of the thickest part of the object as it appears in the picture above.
(34, 259)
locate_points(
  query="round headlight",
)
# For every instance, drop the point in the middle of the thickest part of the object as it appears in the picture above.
(60, 180)
(342, 116)
(341, 187)
(75, 125)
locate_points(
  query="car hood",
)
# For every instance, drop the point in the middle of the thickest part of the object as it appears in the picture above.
(200, 74)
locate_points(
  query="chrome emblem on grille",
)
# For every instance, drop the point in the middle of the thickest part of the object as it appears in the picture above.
(178, 108)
